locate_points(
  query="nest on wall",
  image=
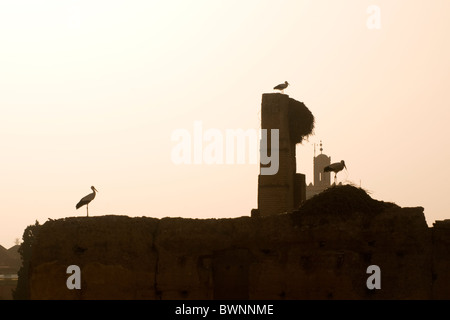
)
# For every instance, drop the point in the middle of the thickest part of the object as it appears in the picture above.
(343, 200)
(301, 121)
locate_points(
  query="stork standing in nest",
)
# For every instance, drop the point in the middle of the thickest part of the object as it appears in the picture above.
(335, 167)
(86, 200)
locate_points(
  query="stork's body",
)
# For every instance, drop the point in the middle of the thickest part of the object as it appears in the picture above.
(282, 86)
(86, 200)
(335, 167)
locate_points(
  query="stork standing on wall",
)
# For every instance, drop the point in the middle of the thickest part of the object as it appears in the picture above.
(86, 200)
(335, 167)
(282, 86)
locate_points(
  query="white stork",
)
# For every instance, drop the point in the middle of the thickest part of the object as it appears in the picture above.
(335, 167)
(86, 200)
(282, 86)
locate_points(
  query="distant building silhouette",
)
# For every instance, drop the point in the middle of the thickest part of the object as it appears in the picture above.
(10, 262)
(322, 179)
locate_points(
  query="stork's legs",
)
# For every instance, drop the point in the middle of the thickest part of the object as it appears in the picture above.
(87, 210)
(335, 178)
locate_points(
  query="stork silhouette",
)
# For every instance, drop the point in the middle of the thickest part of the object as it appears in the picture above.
(282, 86)
(86, 200)
(335, 167)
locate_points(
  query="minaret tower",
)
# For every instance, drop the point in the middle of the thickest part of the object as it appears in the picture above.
(321, 179)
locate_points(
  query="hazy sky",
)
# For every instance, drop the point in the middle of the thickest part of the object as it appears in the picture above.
(91, 92)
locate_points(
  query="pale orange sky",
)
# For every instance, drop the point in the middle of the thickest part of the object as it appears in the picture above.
(91, 91)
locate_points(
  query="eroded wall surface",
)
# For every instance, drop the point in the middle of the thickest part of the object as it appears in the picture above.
(289, 256)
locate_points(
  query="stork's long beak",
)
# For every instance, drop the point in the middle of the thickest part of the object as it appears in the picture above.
(95, 189)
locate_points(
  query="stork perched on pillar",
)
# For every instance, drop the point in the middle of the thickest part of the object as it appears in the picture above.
(281, 87)
(86, 200)
(335, 167)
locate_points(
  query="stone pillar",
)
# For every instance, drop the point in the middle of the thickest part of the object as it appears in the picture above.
(285, 190)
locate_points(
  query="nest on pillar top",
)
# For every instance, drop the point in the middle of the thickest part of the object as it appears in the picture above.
(301, 121)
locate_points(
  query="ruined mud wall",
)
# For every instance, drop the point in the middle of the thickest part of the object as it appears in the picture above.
(289, 256)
